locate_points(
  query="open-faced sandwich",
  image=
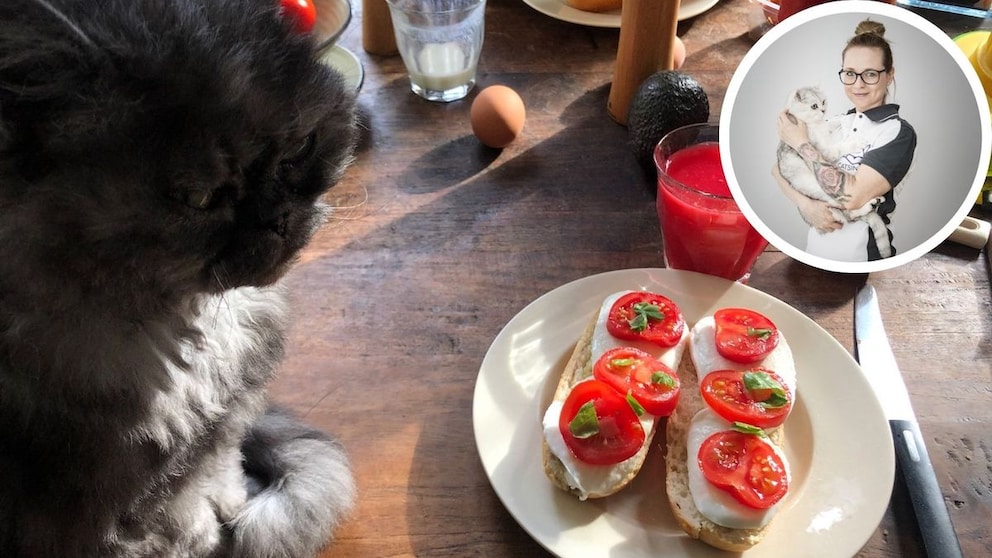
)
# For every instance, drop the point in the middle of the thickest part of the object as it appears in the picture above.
(727, 474)
(620, 380)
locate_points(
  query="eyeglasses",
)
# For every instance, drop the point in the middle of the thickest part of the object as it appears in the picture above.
(870, 77)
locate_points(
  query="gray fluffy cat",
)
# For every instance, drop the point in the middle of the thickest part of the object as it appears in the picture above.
(161, 163)
(809, 105)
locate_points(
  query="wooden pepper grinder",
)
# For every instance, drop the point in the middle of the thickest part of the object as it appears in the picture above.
(377, 28)
(647, 33)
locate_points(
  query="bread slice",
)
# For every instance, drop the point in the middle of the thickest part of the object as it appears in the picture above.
(578, 368)
(677, 471)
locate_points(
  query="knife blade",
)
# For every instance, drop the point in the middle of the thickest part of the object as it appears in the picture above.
(879, 366)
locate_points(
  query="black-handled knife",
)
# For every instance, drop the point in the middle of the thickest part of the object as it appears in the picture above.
(879, 366)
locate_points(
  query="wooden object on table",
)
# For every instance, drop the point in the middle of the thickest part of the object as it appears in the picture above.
(647, 33)
(377, 28)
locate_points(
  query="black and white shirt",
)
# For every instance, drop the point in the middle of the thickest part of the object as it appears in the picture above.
(890, 143)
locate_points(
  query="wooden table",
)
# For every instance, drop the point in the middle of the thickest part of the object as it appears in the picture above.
(439, 242)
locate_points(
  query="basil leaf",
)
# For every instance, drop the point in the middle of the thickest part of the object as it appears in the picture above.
(776, 401)
(644, 311)
(759, 332)
(585, 424)
(635, 405)
(748, 429)
(762, 381)
(663, 379)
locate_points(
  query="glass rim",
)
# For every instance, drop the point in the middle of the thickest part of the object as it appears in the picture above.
(679, 183)
(404, 6)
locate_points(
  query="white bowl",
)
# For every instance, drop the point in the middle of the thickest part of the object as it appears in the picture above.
(333, 16)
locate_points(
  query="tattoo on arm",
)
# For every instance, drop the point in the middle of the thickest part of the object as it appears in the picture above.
(831, 179)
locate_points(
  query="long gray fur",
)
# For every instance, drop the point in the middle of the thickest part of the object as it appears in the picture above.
(161, 166)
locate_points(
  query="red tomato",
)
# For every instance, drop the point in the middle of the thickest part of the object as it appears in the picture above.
(746, 466)
(757, 396)
(303, 13)
(744, 335)
(616, 434)
(629, 370)
(643, 316)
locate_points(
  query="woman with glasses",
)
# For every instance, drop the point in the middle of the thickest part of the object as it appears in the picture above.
(873, 171)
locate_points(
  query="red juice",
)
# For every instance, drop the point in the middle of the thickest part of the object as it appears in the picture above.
(702, 228)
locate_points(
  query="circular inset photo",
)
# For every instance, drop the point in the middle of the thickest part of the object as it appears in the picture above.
(855, 136)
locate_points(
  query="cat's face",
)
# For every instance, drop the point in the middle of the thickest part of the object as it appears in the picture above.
(181, 146)
(808, 104)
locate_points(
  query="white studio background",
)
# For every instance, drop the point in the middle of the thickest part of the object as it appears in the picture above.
(935, 96)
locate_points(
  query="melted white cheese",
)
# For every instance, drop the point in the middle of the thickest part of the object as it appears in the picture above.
(595, 479)
(716, 504)
(707, 359)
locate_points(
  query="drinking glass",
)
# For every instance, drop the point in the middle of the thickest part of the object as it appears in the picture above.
(702, 228)
(440, 42)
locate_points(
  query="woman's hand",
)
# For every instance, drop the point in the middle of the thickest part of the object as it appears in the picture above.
(819, 215)
(791, 130)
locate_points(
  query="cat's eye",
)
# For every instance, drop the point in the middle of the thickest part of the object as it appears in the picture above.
(198, 198)
(300, 153)
(815, 106)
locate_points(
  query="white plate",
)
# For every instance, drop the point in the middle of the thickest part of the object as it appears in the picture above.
(345, 61)
(558, 9)
(837, 439)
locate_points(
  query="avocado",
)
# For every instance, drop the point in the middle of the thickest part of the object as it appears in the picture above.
(666, 100)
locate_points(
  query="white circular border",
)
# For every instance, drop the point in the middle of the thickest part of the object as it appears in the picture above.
(847, 7)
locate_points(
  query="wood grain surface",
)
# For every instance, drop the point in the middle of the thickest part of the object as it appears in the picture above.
(438, 242)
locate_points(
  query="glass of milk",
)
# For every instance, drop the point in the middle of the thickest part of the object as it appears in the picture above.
(439, 41)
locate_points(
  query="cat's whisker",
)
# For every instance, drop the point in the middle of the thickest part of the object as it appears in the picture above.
(334, 209)
(221, 284)
(68, 22)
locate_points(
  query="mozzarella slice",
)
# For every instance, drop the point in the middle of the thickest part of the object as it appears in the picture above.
(716, 504)
(707, 358)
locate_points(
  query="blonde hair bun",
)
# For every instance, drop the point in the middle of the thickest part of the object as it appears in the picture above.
(870, 27)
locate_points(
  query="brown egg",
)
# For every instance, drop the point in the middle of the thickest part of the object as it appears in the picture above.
(497, 116)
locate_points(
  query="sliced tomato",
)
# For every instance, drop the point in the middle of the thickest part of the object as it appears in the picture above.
(303, 14)
(755, 396)
(744, 335)
(644, 316)
(599, 425)
(746, 466)
(631, 370)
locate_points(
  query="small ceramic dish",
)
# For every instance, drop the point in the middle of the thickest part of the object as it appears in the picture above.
(333, 17)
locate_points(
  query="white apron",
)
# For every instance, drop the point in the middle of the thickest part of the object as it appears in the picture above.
(847, 244)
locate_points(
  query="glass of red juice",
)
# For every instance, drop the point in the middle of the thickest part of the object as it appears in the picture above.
(702, 229)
